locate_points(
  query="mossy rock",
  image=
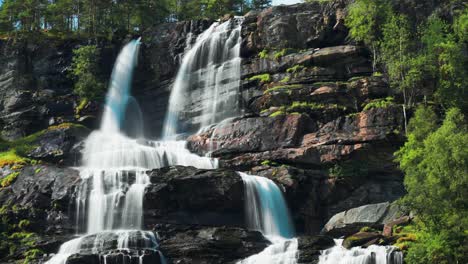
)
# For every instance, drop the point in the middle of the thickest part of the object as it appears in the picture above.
(361, 239)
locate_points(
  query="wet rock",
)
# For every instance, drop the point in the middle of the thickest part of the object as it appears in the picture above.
(310, 247)
(57, 144)
(186, 195)
(191, 244)
(361, 239)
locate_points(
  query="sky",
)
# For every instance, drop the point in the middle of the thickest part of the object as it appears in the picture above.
(279, 2)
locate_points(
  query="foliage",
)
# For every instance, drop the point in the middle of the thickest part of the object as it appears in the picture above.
(285, 79)
(263, 78)
(435, 162)
(85, 72)
(277, 113)
(379, 103)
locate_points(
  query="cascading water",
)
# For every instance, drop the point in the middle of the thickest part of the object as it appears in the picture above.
(206, 89)
(110, 198)
(266, 211)
(358, 255)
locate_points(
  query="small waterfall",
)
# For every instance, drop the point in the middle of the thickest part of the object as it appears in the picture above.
(266, 211)
(371, 255)
(206, 87)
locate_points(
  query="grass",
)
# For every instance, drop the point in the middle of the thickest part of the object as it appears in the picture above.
(263, 78)
(379, 103)
(14, 153)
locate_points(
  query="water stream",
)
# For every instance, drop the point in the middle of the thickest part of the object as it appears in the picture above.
(371, 255)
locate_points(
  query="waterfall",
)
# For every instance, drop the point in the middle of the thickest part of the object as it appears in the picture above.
(266, 211)
(206, 88)
(110, 198)
(371, 255)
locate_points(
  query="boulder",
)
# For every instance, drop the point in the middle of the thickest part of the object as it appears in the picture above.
(352, 220)
(310, 247)
(361, 239)
(186, 195)
(194, 244)
(57, 144)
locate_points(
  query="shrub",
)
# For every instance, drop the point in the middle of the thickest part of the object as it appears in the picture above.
(84, 70)
(379, 103)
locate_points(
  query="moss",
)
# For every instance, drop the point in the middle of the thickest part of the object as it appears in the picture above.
(32, 254)
(379, 103)
(355, 78)
(285, 79)
(278, 54)
(263, 54)
(81, 106)
(9, 179)
(352, 115)
(377, 74)
(295, 69)
(10, 157)
(23, 224)
(283, 87)
(36, 171)
(263, 78)
(368, 229)
(277, 113)
(269, 163)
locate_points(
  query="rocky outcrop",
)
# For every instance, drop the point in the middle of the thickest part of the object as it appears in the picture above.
(186, 195)
(189, 244)
(310, 248)
(372, 215)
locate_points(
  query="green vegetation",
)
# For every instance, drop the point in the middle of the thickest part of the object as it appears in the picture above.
(295, 69)
(379, 103)
(263, 78)
(285, 79)
(281, 53)
(84, 70)
(286, 88)
(349, 169)
(435, 164)
(263, 54)
(109, 18)
(9, 179)
(277, 113)
(424, 57)
(303, 107)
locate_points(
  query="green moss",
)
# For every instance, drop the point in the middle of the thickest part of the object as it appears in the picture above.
(377, 74)
(283, 87)
(31, 255)
(81, 106)
(263, 54)
(295, 69)
(23, 224)
(379, 103)
(355, 78)
(285, 79)
(269, 163)
(9, 179)
(10, 157)
(277, 113)
(368, 229)
(278, 54)
(263, 78)
(36, 171)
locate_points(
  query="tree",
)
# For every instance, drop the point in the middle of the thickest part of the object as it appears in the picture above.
(363, 20)
(85, 72)
(435, 162)
(260, 4)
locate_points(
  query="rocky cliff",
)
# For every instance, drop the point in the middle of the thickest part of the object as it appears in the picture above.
(316, 120)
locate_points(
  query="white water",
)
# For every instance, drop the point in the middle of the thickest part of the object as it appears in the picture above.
(266, 211)
(207, 81)
(110, 199)
(371, 255)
